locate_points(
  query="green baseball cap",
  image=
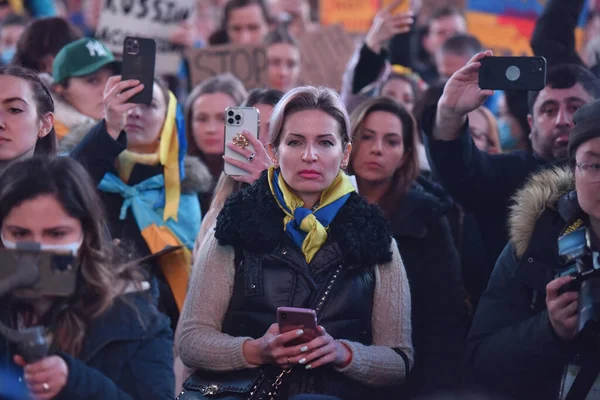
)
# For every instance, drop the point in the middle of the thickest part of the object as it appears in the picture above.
(82, 57)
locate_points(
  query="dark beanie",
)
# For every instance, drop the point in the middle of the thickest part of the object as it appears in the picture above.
(587, 126)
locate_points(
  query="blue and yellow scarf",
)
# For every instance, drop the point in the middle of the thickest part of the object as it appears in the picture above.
(308, 228)
(166, 217)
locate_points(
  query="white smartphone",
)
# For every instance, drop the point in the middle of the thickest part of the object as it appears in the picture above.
(237, 120)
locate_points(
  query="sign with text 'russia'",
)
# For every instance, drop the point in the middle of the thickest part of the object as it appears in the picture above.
(155, 19)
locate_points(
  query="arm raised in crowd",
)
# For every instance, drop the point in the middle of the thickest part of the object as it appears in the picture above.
(477, 180)
(554, 33)
(101, 146)
(368, 63)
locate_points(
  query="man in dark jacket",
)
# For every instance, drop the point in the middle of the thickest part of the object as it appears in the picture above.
(521, 340)
(483, 183)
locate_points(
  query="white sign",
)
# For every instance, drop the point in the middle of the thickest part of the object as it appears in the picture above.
(153, 19)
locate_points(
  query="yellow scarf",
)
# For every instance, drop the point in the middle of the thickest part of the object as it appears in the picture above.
(167, 155)
(308, 228)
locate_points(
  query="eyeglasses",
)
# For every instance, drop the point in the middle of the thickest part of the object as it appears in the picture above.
(590, 172)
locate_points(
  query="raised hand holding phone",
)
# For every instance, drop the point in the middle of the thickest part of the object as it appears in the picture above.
(116, 103)
(241, 143)
(139, 63)
(387, 24)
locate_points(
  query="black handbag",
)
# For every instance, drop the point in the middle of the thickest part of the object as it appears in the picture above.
(246, 384)
(230, 385)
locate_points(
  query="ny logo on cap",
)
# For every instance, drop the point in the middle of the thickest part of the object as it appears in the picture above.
(96, 49)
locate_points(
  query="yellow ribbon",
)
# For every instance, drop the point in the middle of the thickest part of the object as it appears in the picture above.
(167, 154)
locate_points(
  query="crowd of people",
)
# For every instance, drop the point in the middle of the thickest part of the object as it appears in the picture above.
(418, 215)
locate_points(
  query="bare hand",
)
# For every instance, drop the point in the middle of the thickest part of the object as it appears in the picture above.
(385, 26)
(45, 378)
(271, 349)
(462, 93)
(254, 167)
(323, 350)
(183, 35)
(116, 106)
(562, 310)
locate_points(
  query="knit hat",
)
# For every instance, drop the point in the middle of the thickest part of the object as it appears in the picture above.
(587, 126)
(82, 57)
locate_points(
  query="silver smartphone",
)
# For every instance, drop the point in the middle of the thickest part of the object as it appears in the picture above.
(237, 120)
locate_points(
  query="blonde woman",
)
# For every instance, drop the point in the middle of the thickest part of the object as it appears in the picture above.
(301, 236)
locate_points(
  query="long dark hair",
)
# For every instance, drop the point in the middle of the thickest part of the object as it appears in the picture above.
(44, 37)
(100, 280)
(404, 176)
(43, 101)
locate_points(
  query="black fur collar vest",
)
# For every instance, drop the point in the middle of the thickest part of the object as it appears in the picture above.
(252, 221)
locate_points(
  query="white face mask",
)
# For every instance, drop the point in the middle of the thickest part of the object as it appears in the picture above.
(71, 248)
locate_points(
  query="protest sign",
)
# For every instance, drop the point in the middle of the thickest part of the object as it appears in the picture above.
(156, 19)
(247, 63)
(324, 55)
(356, 16)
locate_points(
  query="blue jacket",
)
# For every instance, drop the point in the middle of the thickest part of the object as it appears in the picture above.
(127, 354)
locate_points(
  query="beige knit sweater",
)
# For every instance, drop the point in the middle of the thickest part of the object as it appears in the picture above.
(203, 345)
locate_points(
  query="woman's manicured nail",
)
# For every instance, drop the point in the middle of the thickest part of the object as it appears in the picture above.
(303, 349)
(300, 332)
(302, 361)
(308, 366)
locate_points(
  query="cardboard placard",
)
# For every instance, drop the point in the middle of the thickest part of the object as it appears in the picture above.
(324, 55)
(156, 19)
(247, 63)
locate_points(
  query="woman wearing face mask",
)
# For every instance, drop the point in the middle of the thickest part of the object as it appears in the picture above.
(108, 341)
(301, 236)
(283, 60)
(136, 155)
(245, 22)
(26, 116)
(79, 75)
(385, 162)
(11, 29)
(205, 121)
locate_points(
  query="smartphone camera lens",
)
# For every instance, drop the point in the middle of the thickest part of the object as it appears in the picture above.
(238, 117)
(230, 113)
(230, 120)
(283, 316)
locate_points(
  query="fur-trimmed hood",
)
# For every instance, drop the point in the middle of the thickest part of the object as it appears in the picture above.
(543, 190)
(67, 114)
(252, 220)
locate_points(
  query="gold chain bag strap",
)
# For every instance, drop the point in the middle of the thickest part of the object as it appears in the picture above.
(253, 382)
(273, 394)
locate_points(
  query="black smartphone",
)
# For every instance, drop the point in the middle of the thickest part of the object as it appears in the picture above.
(139, 62)
(512, 73)
(40, 273)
